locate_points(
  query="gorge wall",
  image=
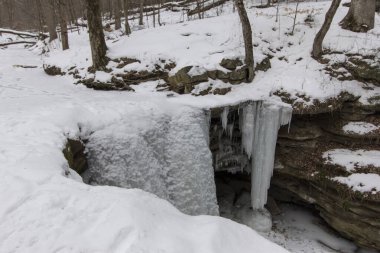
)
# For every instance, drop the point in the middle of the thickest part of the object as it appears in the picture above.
(306, 171)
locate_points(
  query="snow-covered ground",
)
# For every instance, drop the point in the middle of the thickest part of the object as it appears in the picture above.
(204, 43)
(299, 231)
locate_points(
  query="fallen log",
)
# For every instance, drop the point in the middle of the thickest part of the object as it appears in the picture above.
(18, 33)
(17, 42)
(206, 8)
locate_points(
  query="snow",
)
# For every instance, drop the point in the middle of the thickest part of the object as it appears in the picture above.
(299, 231)
(45, 210)
(351, 159)
(360, 128)
(361, 182)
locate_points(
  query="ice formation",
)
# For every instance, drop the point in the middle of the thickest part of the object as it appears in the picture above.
(169, 157)
(259, 123)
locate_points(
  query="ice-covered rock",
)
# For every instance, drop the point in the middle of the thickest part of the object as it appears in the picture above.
(169, 157)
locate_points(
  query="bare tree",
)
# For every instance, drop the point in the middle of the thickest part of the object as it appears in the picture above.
(247, 35)
(141, 17)
(360, 16)
(63, 24)
(95, 29)
(317, 45)
(51, 20)
(126, 24)
(117, 6)
(10, 10)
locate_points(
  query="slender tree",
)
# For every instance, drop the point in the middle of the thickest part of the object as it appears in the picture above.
(95, 29)
(141, 17)
(51, 20)
(117, 6)
(126, 24)
(318, 40)
(360, 16)
(63, 24)
(247, 35)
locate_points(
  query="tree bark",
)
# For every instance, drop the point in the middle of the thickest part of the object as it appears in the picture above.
(117, 6)
(141, 12)
(95, 29)
(318, 40)
(63, 25)
(247, 35)
(52, 21)
(360, 16)
(127, 27)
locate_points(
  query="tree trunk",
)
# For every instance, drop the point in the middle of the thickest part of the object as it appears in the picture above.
(95, 29)
(63, 25)
(268, 3)
(117, 6)
(127, 27)
(154, 15)
(52, 21)
(247, 35)
(159, 13)
(141, 12)
(360, 16)
(318, 40)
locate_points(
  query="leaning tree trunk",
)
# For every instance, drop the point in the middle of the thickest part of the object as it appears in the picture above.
(95, 29)
(127, 27)
(117, 7)
(141, 12)
(247, 35)
(318, 40)
(360, 16)
(63, 25)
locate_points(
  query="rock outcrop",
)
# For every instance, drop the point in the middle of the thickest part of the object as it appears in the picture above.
(304, 176)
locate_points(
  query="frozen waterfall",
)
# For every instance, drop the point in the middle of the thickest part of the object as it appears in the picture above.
(259, 123)
(168, 153)
(163, 153)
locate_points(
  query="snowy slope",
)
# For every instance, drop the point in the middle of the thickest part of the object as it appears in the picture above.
(42, 210)
(204, 43)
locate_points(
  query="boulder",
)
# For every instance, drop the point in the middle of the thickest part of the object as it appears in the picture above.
(75, 155)
(231, 64)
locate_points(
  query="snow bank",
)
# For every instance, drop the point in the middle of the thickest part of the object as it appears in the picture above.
(350, 159)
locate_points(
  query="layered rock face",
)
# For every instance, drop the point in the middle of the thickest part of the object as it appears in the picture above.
(328, 161)
(322, 161)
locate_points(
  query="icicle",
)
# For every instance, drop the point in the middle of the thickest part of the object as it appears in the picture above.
(259, 125)
(230, 130)
(224, 117)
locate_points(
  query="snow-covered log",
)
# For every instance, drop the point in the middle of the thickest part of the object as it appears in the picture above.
(19, 33)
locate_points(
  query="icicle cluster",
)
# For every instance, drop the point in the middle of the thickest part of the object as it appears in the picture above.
(259, 124)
